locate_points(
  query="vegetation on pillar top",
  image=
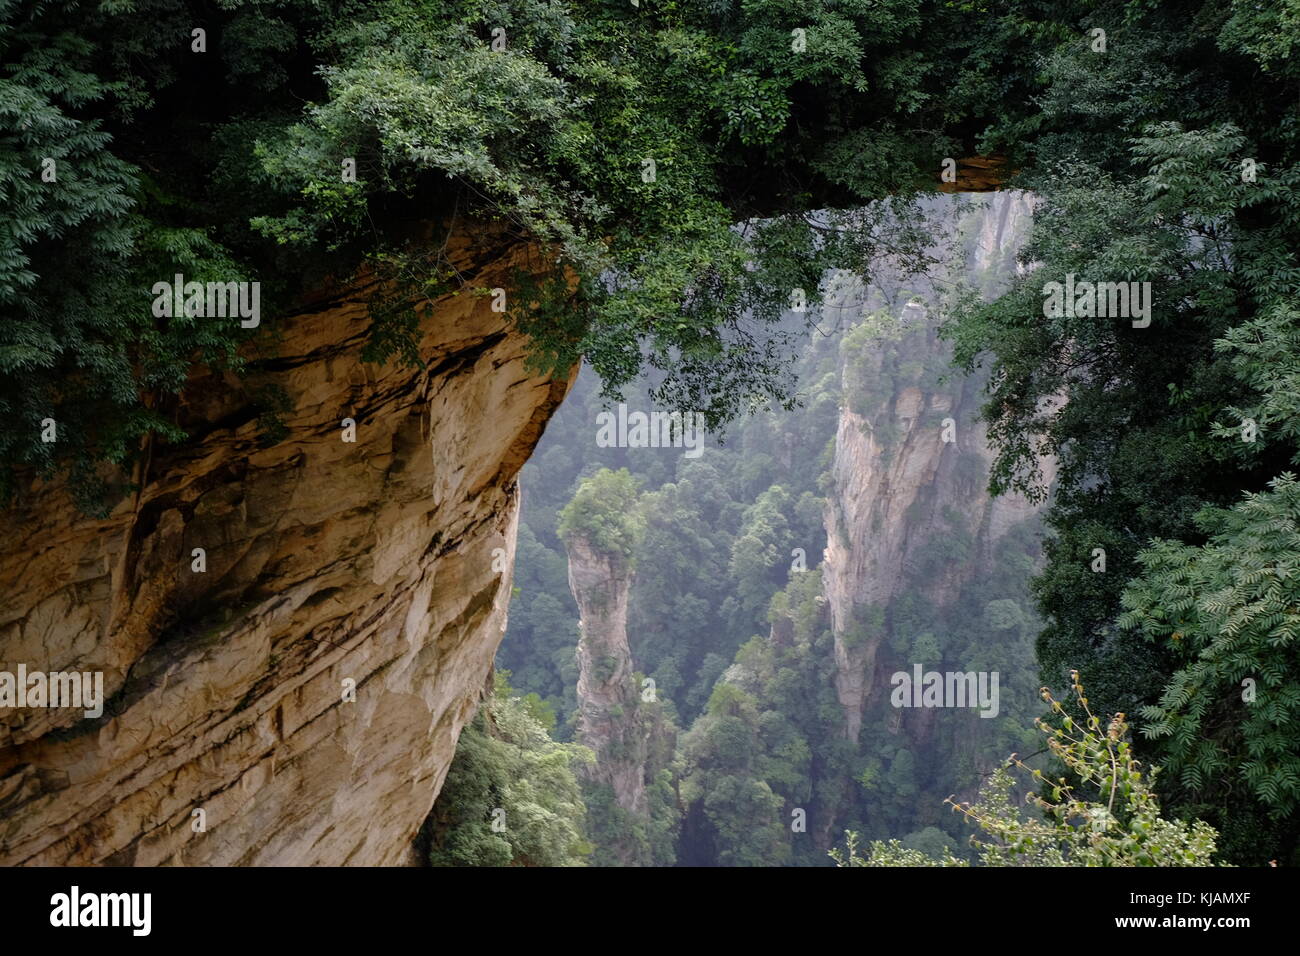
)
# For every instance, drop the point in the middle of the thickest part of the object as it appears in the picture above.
(605, 515)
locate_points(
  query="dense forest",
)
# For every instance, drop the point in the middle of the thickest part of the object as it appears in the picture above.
(726, 616)
(690, 179)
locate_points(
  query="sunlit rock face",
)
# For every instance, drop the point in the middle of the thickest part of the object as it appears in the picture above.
(298, 701)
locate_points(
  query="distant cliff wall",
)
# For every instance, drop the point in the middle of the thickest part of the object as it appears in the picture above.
(910, 469)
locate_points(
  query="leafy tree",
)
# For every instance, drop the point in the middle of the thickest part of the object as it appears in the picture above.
(78, 257)
(1144, 174)
(760, 557)
(1121, 827)
(604, 514)
(768, 745)
(730, 792)
(1226, 723)
(544, 619)
(608, 140)
(511, 797)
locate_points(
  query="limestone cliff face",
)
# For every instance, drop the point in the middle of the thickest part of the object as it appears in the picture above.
(630, 736)
(330, 565)
(910, 468)
(607, 696)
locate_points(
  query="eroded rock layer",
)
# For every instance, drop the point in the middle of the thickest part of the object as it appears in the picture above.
(229, 736)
